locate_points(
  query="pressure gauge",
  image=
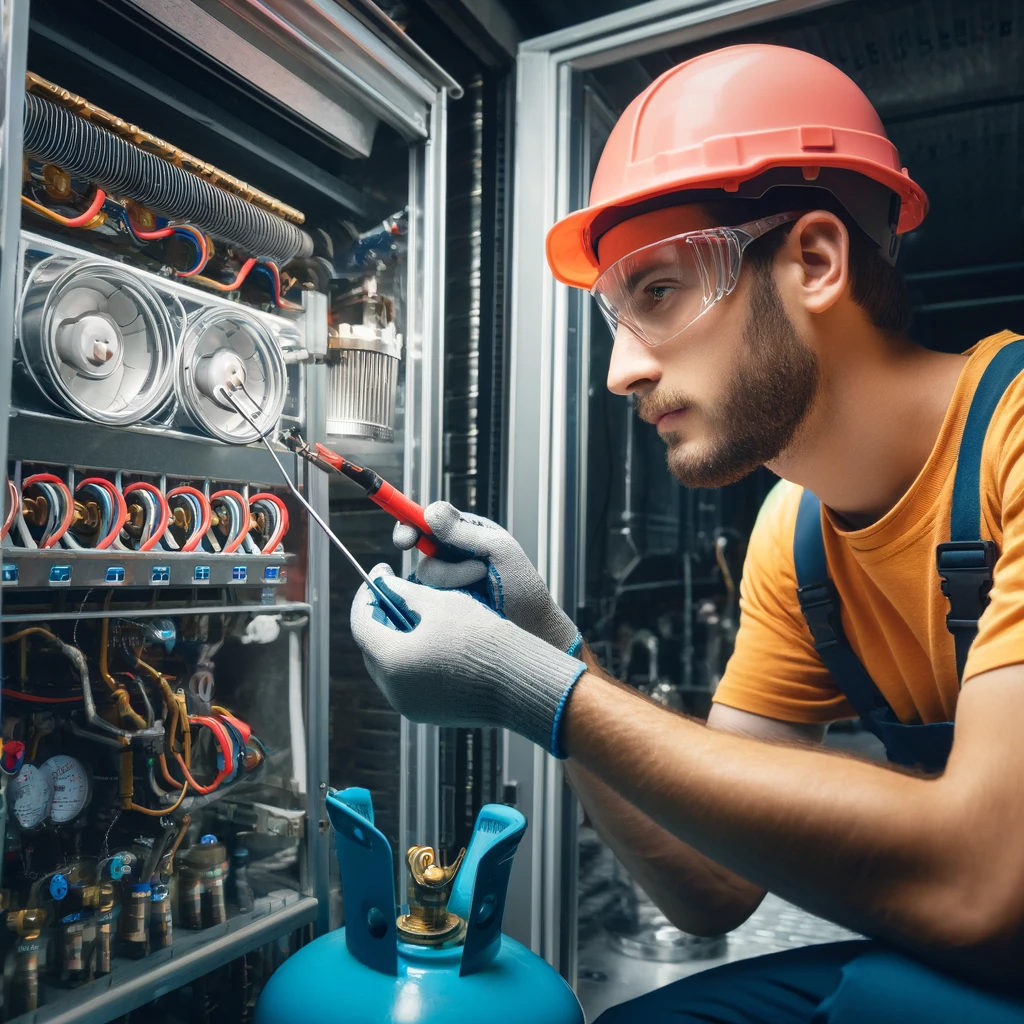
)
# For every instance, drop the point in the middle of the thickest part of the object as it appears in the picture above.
(31, 796)
(71, 788)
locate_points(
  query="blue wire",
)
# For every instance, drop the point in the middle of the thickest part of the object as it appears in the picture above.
(273, 284)
(192, 236)
(190, 233)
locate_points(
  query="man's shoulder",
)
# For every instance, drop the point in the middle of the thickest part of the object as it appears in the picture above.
(779, 508)
(771, 540)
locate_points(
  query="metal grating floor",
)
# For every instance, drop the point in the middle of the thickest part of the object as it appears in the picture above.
(607, 977)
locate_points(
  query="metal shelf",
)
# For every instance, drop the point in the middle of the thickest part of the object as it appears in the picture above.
(150, 612)
(134, 982)
(152, 450)
(58, 568)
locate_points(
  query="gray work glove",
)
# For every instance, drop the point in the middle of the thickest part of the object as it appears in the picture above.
(514, 585)
(463, 664)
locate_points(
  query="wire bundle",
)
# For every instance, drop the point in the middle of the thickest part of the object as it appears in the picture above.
(60, 510)
(233, 511)
(194, 235)
(196, 507)
(84, 150)
(113, 511)
(275, 516)
(156, 515)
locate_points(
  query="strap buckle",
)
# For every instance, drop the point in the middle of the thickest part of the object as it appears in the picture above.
(820, 604)
(966, 568)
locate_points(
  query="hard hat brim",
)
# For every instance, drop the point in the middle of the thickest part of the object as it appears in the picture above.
(571, 251)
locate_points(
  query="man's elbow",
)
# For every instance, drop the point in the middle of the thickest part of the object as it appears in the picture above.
(709, 921)
(978, 928)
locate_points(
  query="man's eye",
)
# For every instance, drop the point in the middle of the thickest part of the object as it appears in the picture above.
(658, 291)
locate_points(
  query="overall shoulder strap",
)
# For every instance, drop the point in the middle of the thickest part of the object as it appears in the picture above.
(966, 562)
(819, 601)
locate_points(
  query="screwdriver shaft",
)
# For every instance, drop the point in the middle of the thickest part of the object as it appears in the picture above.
(317, 518)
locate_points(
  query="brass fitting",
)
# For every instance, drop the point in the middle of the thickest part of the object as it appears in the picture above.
(35, 510)
(140, 215)
(27, 924)
(56, 181)
(87, 514)
(428, 922)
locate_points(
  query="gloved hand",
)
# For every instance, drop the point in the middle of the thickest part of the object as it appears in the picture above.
(514, 585)
(463, 664)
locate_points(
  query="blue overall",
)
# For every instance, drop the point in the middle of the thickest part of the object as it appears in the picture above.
(853, 982)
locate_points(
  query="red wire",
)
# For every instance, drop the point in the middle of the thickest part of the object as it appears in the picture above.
(243, 528)
(121, 516)
(165, 511)
(94, 207)
(193, 542)
(49, 478)
(280, 302)
(15, 503)
(226, 749)
(282, 526)
(150, 235)
(243, 273)
(18, 695)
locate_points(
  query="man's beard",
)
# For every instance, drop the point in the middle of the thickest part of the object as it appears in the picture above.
(767, 400)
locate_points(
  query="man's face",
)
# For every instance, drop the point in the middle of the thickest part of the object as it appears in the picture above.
(727, 394)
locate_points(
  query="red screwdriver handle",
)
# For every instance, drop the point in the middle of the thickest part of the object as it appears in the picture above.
(405, 510)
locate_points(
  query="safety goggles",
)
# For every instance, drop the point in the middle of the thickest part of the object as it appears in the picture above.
(658, 291)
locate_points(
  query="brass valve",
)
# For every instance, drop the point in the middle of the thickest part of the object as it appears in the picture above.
(428, 922)
(87, 514)
(136, 517)
(28, 924)
(35, 510)
(105, 897)
(181, 518)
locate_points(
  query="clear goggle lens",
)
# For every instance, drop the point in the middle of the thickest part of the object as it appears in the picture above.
(658, 291)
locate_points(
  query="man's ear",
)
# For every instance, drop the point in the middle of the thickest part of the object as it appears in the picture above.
(818, 252)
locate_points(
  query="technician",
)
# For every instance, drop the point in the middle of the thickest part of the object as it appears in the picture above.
(740, 240)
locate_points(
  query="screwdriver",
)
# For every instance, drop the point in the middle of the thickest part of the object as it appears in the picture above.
(399, 619)
(379, 491)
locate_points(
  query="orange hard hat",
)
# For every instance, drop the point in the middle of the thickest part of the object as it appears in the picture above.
(741, 119)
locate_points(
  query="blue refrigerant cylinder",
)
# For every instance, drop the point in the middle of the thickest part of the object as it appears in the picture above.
(443, 960)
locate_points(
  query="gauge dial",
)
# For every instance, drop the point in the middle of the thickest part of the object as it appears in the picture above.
(70, 787)
(31, 796)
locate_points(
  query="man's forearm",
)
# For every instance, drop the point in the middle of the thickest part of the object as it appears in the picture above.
(694, 893)
(879, 851)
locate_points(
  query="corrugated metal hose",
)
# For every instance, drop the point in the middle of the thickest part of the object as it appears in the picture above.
(84, 150)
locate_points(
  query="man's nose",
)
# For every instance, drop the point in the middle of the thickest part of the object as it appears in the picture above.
(633, 366)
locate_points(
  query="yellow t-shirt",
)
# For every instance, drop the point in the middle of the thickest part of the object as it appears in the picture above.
(893, 611)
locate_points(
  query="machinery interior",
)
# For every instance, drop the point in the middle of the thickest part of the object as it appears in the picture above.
(230, 220)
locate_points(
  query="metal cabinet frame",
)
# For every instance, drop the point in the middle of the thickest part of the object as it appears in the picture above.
(398, 82)
(548, 376)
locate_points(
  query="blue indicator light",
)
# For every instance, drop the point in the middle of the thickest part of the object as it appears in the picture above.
(9, 573)
(60, 573)
(201, 574)
(272, 573)
(115, 574)
(239, 573)
(160, 574)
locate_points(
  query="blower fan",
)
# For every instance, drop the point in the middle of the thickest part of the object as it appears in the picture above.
(230, 349)
(96, 339)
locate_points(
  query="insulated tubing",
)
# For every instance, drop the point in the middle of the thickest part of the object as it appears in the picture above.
(86, 151)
